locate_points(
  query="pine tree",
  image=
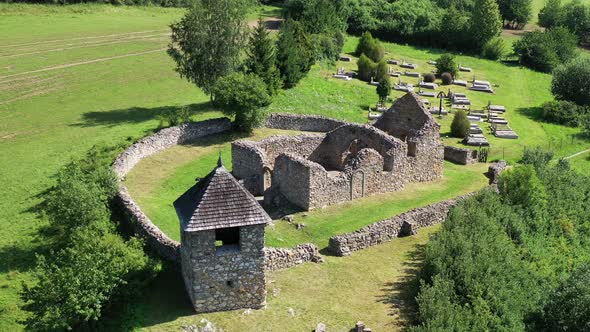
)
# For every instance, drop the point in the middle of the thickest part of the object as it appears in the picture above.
(485, 22)
(383, 89)
(294, 53)
(262, 58)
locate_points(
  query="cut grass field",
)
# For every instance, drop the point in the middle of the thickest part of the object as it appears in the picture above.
(105, 94)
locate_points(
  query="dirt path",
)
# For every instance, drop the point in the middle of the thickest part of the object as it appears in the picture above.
(82, 38)
(577, 154)
(146, 38)
(68, 65)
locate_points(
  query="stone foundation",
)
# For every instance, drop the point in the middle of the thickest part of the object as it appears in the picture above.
(282, 258)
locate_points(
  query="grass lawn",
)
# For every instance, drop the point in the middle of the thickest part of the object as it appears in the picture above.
(75, 76)
(373, 285)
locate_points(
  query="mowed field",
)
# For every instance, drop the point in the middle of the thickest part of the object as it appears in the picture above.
(75, 76)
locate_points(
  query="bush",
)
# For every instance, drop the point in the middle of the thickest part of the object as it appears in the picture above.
(543, 51)
(366, 68)
(371, 47)
(460, 125)
(429, 78)
(494, 49)
(383, 89)
(446, 78)
(174, 117)
(563, 112)
(326, 48)
(446, 64)
(571, 81)
(381, 71)
(243, 96)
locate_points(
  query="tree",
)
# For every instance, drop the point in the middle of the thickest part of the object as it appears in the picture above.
(381, 71)
(485, 22)
(446, 64)
(295, 53)
(518, 12)
(262, 58)
(569, 307)
(383, 89)
(460, 125)
(75, 285)
(571, 81)
(453, 31)
(370, 47)
(366, 68)
(543, 51)
(521, 186)
(494, 49)
(551, 15)
(562, 112)
(576, 17)
(243, 96)
(207, 42)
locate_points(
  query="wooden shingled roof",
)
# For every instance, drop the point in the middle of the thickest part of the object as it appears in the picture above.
(218, 201)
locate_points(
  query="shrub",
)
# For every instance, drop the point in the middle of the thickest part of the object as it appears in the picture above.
(562, 112)
(383, 89)
(429, 78)
(551, 15)
(571, 81)
(446, 78)
(366, 68)
(371, 47)
(585, 124)
(174, 116)
(460, 125)
(243, 96)
(494, 49)
(326, 48)
(381, 71)
(536, 157)
(446, 64)
(543, 51)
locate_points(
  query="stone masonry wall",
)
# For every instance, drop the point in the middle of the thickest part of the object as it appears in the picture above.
(157, 240)
(224, 280)
(404, 224)
(282, 258)
(460, 155)
(302, 122)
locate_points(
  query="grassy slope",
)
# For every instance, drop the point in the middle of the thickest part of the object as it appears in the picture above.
(372, 285)
(109, 101)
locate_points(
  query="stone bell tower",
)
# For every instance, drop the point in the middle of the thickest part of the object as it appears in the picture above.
(222, 242)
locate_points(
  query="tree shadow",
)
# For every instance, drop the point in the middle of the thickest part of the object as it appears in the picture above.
(533, 113)
(401, 295)
(135, 115)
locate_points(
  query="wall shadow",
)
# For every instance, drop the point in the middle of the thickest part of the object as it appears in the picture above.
(135, 115)
(401, 295)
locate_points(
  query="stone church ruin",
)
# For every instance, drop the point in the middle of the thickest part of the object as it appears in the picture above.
(316, 170)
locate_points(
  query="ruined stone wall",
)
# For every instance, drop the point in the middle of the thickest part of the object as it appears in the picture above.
(290, 178)
(301, 122)
(164, 139)
(404, 224)
(157, 240)
(249, 158)
(282, 258)
(460, 155)
(426, 164)
(224, 281)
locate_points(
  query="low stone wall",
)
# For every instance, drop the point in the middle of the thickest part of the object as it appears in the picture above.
(315, 123)
(157, 240)
(164, 139)
(401, 225)
(282, 258)
(460, 155)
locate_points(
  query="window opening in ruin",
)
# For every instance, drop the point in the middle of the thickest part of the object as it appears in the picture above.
(411, 149)
(230, 283)
(227, 240)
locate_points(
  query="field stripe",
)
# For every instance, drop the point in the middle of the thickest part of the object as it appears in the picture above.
(147, 38)
(82, 38)
(82, 63)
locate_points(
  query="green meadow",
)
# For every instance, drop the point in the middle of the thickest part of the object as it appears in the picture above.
(76, 76)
